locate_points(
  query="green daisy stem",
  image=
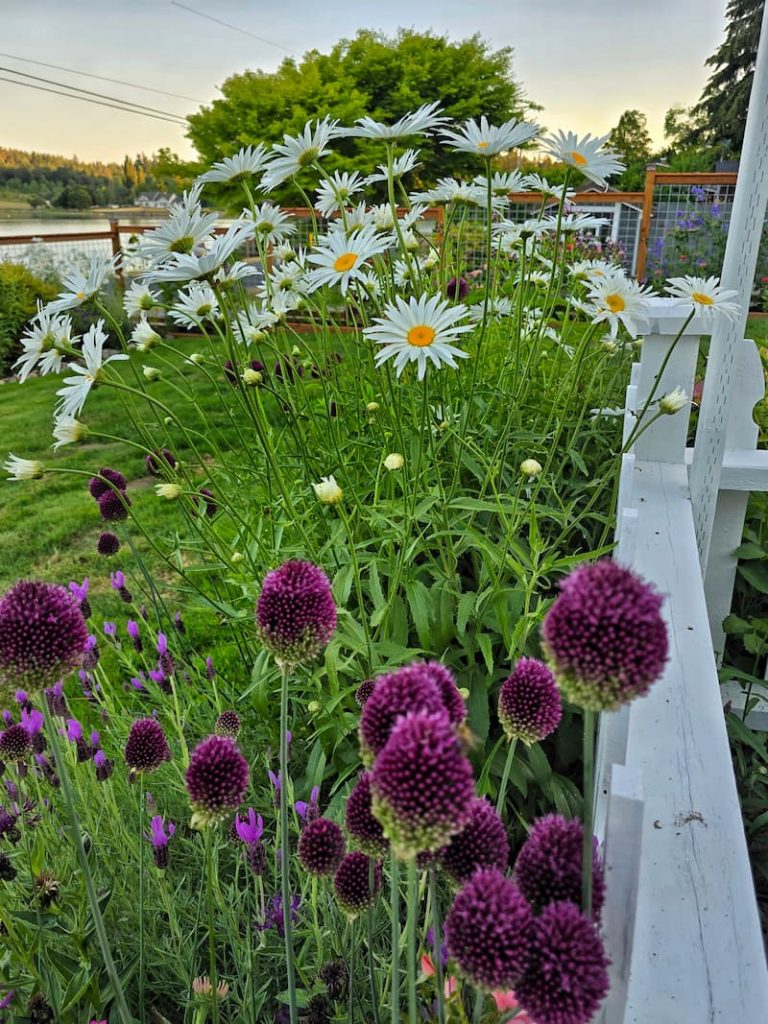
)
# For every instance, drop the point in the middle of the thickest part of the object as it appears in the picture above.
(123, 1014)
(437, 928)
(413, 916)
(394, 885)
(588, 813)
(371, 961)
(505, 775)
(285, 856)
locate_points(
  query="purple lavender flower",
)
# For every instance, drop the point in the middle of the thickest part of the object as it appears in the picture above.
(108, 544)
(422, 784)
(110, 629)
(146, 747)
(489, 929)
(104, 767)
(33, 721)
(321, 847)
(273, 914)
(178, 623)
(216, 780)
(160, 839)
(42, 634)
(529, 702)
(482, 843)
(80, 593)
(604, 636)
(365, 830)
(352, 883)
(210, 671)
(566, 977)
(117, 579)
(91, 652)
(309, 811)
(295, 613)
(249, 831)
(132, 628)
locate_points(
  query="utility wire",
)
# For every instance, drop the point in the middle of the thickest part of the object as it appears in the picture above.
(85, 99)
(126, 104)
(235, 28)
(103, 78)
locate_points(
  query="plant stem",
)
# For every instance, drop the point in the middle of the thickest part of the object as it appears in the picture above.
(437, 929)
(212, 973)
(413, 914)
(123, 1013)
(371, 962)
(285, 852)
(142, 1015)
(589, 788)
(352, 957)
(394, 884)
(505, 776)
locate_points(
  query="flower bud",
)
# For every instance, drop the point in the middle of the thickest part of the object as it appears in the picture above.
(394, 461)
(530, 467)
(151, 373)
(673, 402)
(169, 491)
(252, 377)
(328, 491)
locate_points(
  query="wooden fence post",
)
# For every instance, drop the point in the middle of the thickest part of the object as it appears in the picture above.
(645, 223)
(114, 237)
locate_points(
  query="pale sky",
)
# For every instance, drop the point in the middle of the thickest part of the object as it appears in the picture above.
(585, 61)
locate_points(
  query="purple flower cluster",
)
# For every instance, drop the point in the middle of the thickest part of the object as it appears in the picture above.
(109, 489)
(295, 613)
(482, 843)
(216, 780)
(321, 847)
(362, 826)
(352, 883)
(548, 866)
(529, 702)
(146, 747)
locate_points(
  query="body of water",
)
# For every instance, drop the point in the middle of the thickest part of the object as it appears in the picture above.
(28, 224)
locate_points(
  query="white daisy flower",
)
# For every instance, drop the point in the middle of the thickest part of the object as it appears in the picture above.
(144, 336)
(79, 287)
(536, 183)
(187, 267)
(419, 331)
(186, 228)
(400, 166)
(368, 286)
(382, 217)
(336, 191)
(288, 276)
(673, 402)
(252, 323)
(592, 268)
(609, 412)
(47, 339)
(76, 389)
(197, 304)
(283, 301)
(571, 222)
(341, 257)
(615, 299)
(23, 469)
(139, 299)
(415, 123)
(328, 491)
(270, 223)
(283, 252)
(68, 430)
(498, 308)
(242, 164)
(298, 151)
(586, 154)
(708, 298)
(484, 139)
(501, 183)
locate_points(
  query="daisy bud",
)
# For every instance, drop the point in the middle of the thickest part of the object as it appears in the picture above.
(328, 491)
(604, 636)
(352, 883)
(365, 830)
(196, 358)
(168, 491)
(489, 929)
(228, 724)
(216, 780)
(482, 843)
(295, 612)
(23, 469)
(321, 847)
(530, 467)
(151, 373)
(146, 747)
(529, 702)
(394, 461)
(674, 401)
(237, 556)
(252, 378)
(372, 407)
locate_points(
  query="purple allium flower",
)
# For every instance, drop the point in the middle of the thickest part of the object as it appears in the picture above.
(566, 978)
(365, 830)
(108, 544)
(444, 679)
(548, 866)
(604, 636)
(146, 747)
(482, 843)
(158, 461)
(352, 883)
(409, 689)
(295, 613)
(489, 930)
(42, 634)
(321, 847)
(287, 367)
(15, 743)
(113, 506)
(309, 811)
(457, 288)
(335, 976)
(104, 767)
(529, 702)
(207, 502)
(364, 691)
(216, 779)
(160, 839)
(99, 487)
(422, 784)
(228, 724)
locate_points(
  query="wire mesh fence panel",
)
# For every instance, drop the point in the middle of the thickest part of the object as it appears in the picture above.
(54, 258)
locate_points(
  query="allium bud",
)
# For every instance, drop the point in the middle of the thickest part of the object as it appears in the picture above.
(15, 743)
(295, 613)
(216, 780)
(482, 843)
(489, 929)
(365, 830)
(228, 724)
(604, 636)
(108, 544)
(321, 847)
(100, 484)
(352, 883)
(146, 747)
(335, 977)
(529, 702)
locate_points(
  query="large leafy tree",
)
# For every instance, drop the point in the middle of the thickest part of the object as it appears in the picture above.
(370, 74)
(631, 140)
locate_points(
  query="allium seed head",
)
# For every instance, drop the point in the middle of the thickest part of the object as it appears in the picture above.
(216, 780)
(321, 847)
(146, 747)
(489, 930)
(566, 978)
(42, 634)
(352, 883)
(482, 843)
(604, 636)
(365, 830)
(529, 702)
(422, 784)
(295, 613)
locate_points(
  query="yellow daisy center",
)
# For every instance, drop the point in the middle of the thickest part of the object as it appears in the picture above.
(185, 244)
(578, 158)
(345, 262)
(615, 303)
(420, 336)
(80, 295)
(705, 300)
(482, 145)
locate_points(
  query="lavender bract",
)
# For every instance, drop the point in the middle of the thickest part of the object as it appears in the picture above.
(295, 613)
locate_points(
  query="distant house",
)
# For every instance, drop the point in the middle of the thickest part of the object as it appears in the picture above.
(157, 200)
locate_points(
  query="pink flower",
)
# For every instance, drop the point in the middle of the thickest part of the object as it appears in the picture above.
(507, 1000)
(428, 969)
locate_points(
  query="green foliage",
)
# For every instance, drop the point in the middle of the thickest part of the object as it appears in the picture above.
(74, 197)
(20, 291)
(631, 140)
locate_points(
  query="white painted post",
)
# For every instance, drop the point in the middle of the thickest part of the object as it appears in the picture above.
(744, 234)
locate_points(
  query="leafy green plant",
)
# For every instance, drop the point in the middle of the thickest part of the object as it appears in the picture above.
(20, 291)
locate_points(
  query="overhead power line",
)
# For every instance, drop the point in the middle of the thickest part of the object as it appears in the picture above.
(103, 78)
(120, 104)
(235, 28)
(86, 99)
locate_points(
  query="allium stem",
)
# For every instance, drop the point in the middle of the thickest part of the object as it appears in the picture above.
(437, 929)
(371, 961)
(588, 814)
(142, 1015)
(285, 854)
(123, 1013)
(212, 973)
(505, 776)
(394, 884)
(413, 915)
(352, 958)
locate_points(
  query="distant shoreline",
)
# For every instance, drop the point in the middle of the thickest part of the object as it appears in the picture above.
(21, 211)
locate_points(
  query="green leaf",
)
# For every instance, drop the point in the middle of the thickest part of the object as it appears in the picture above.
(486, 647)
(750, 550)
(374, 585)
(757, 575)
(419, 600)
(466, 608)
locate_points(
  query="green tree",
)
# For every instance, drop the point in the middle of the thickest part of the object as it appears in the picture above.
(370, 74)
(724, 101)
(74, 197)
(630, 139)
